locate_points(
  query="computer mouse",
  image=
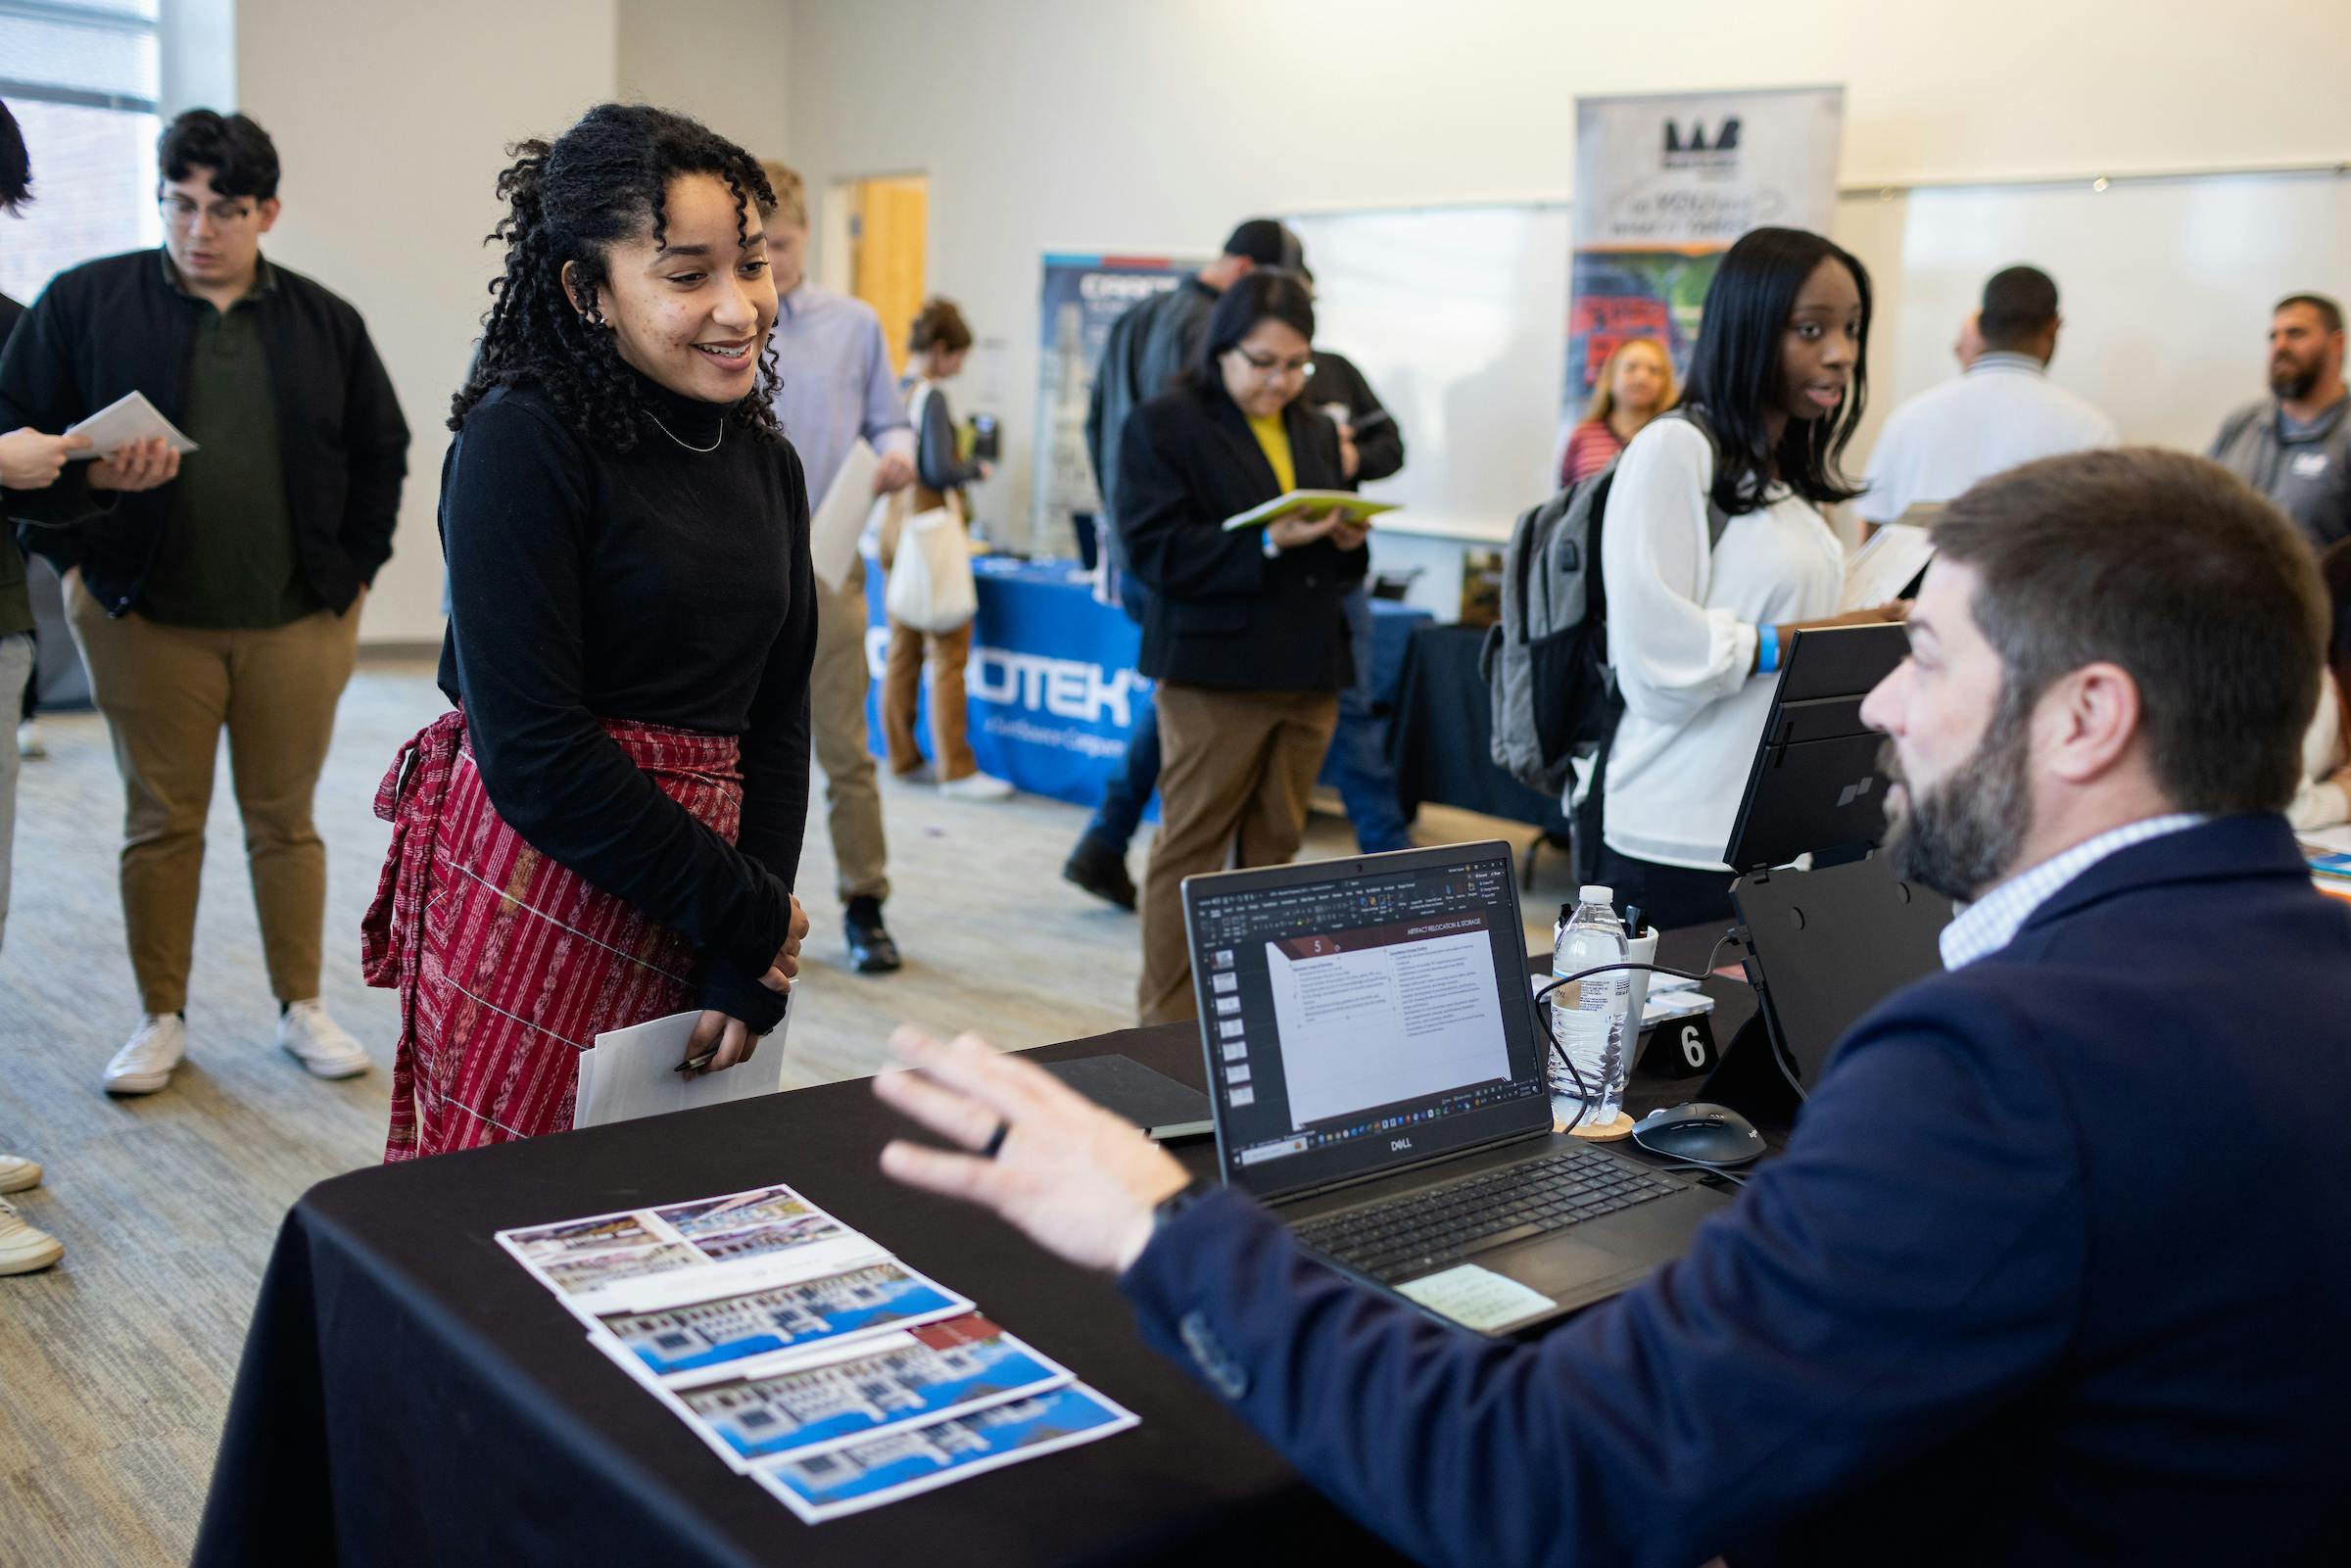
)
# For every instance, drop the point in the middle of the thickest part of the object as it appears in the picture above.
(1702, 1133)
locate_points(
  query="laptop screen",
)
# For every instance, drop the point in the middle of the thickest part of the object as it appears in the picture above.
(1360, 1014)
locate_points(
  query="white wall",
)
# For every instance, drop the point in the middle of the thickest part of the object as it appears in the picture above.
(198, 40)
(1153, 125)
(392, 122)
(724, 62)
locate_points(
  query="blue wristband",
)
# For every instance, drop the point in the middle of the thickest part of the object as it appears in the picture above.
(1767, 648)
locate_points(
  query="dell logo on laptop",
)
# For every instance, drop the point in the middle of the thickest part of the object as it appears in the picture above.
(1854, 791)
(1399, 1145)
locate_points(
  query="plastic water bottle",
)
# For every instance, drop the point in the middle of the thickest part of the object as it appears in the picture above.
(1588, 1017)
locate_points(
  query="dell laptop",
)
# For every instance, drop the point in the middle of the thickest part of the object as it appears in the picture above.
(1376, 1075)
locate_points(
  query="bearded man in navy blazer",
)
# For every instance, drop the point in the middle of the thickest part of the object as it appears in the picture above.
(2056, 1268)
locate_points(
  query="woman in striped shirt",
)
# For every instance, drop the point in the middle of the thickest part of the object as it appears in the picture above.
(1636, 386)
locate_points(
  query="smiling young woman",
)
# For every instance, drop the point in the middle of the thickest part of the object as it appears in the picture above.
(1696, 628)
(607, 829)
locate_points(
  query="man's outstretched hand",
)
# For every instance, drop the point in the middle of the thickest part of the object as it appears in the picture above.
(1078, 1180)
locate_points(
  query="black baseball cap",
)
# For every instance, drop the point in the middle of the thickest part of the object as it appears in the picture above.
(1265, 241)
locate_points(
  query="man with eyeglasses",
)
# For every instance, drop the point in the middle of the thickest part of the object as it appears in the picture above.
(228, 597)
(1148, 346)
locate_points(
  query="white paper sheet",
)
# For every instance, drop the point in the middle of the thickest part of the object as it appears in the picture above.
(1882, 568)
(128, 419)
(839, 521)
(632, 1073)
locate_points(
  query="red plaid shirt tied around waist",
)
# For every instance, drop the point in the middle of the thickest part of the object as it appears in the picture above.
(508, 965)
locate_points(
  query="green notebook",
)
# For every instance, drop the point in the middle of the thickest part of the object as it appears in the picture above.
(1357, 508)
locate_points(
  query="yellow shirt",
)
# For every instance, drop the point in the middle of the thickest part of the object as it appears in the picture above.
(1276, 441)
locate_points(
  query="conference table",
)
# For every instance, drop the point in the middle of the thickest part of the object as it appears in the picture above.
(410, 1395)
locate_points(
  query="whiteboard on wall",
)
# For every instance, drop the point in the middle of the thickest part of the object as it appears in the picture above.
(1456, 315)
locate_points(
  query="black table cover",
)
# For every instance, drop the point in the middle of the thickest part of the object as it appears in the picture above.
(410, 1396)
(1442, 730)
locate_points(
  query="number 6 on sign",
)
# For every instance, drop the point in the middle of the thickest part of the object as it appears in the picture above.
(1679, 1048)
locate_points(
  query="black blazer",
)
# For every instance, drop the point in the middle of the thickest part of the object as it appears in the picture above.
(115, 326)
(1221, 614)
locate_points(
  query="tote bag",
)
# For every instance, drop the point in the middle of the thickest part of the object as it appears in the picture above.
(931, 585)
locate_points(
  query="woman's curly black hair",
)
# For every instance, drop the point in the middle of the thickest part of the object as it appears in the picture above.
(600, 182)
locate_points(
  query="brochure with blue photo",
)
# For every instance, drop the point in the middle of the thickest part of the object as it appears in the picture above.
(804, 1354)
(864, 1475)
(786, 1317)
(803, 1402)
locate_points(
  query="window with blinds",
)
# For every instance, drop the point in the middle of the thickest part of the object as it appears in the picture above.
(82, 77)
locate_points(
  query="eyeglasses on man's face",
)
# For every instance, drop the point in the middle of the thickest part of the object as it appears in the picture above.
(227, 213)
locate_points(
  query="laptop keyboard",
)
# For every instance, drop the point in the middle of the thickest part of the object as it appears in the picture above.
(1420, 1232)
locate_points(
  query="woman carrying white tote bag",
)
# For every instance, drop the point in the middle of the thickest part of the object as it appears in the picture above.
(931, 597)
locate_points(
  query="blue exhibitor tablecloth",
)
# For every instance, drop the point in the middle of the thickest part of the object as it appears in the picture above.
(1053, 686)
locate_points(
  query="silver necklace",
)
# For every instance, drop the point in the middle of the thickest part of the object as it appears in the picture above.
(688, 444)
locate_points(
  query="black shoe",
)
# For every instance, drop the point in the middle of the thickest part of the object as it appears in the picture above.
(871, 948)
(1101, 871)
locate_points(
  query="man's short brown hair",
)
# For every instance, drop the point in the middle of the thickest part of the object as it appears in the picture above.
(792, 193)
(2173, 569)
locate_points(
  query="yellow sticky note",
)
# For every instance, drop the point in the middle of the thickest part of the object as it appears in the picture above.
(1477, 1297)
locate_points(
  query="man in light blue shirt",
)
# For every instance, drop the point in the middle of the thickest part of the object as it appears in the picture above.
(837, 385)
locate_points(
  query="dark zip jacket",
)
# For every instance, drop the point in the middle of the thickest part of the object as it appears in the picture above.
(116, 326)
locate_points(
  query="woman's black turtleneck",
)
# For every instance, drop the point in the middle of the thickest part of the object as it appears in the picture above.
(663, 585)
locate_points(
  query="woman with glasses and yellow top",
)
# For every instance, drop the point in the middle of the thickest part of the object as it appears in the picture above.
(1246, 633)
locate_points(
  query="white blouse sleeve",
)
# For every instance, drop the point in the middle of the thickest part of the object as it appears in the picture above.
(2318, 801)
(1673, 655)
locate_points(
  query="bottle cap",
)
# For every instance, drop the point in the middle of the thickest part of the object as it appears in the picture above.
(1594, 893)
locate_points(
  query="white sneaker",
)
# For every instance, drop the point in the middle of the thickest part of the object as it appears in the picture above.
(144, 1064)
(976, 786)
(29, 739)
(307, 1034)
(18, 1174)
(25, 1248)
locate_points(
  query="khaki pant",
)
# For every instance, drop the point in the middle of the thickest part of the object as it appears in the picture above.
(1236, 771)
(902, 685)
(837, 690)
(167, 693)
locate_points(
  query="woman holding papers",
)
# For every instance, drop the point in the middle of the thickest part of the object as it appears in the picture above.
(606, 831)
(1695, 631)
(1245, 633)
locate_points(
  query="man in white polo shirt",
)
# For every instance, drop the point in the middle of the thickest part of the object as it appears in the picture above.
(2001, 411)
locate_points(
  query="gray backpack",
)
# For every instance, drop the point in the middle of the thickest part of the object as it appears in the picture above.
(1546, 661)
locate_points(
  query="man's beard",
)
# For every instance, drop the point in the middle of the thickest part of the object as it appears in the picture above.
(1962, 836)
(2293, 381)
